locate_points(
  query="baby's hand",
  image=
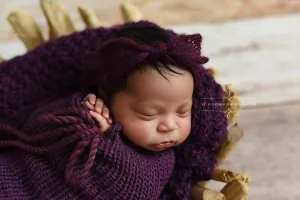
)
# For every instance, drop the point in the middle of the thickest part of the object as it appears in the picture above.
(98, 111)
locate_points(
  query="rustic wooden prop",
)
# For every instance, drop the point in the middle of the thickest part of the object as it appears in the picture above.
(59, 22)
(26, 28)
(89, 17)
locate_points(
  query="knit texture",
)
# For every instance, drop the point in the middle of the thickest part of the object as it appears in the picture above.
(60, 152)
(119, 169)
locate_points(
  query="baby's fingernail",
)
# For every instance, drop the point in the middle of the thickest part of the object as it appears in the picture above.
(98, 110)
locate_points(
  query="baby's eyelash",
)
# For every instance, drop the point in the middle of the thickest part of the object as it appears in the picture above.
(184, 112)
(150, 115)
(146, 114)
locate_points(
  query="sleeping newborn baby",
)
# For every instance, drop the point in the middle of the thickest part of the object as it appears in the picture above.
(154, 109)
(144, 123)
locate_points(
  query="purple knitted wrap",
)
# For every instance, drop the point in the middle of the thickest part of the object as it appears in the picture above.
(61, 153)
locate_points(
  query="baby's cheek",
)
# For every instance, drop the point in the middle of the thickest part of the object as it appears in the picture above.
(184, 126)
(184, 123)
(139, 130)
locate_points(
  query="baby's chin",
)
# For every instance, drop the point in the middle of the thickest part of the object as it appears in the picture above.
(154, 150)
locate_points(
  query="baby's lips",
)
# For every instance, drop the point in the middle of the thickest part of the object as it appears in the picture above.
(164, 145)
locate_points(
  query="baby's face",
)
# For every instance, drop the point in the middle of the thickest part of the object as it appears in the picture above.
(155, 113)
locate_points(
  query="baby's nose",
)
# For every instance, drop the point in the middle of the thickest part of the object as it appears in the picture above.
(166, 127)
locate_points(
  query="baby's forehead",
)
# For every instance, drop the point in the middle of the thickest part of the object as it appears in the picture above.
(152, 83)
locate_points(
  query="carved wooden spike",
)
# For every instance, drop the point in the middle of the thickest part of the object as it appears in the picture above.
(235, 133)
(231, 103)
(201, 193)
(226, 176)
(130, 12)
(212, 71)
(89, 17)
(236, 190)
(58, 19)
(26, 28)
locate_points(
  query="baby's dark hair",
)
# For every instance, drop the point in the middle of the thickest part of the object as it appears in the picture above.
(141, 33)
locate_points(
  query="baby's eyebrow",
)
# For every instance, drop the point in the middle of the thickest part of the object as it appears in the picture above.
(187, 102)
(143, 105)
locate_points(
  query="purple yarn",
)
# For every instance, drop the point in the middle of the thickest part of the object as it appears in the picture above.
(60, 152)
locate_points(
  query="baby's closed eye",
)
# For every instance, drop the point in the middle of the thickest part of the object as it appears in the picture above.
(184, 113)
(147, 116)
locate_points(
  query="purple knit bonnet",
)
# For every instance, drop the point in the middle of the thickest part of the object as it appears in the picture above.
(117, 58)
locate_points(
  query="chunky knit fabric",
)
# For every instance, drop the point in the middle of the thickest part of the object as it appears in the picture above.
(119, 169)
(59, 153)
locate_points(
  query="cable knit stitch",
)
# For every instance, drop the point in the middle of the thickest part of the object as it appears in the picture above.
(61, 142)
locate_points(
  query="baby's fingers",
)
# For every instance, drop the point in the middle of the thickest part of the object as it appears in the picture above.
(105, 114)
(99, 105)
(88, 105)
(101, 121)
(109, 121)
(89, 101)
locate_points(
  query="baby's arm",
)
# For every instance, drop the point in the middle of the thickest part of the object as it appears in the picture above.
(98, 111)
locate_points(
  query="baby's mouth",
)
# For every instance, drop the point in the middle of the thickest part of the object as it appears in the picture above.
(165, 145)
(168, 142)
